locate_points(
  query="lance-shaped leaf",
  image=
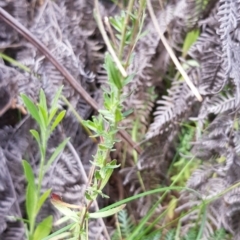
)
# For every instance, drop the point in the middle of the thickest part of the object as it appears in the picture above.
(42, 199)
(63, 208)
(57, 233)
(32, 109)
(36, 136)
(43, 101)
(107, 213)
(28, 172)
(55, 99)
(31, 202)
(56, 153)
(43, 229)
(58, 119)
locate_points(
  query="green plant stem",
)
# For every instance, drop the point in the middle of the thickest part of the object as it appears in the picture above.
(86, 222)
(200, 233)
(178, 230)
(90, 202)
(104, 155)
(79, 118)
(83, 219)
(14, 62)
(40, 175)
(125, 25)
(118, 227)
(42, 161)
(141, 181)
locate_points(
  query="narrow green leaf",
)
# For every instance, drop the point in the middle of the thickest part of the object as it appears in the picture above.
(66, 211)
(128, 79)
(113, 164)
(31, 108)
(42, 199)
(61, 221)
(31, 202)
(57, 151)
(88, 196)
(113, 72)
(52, 113)
(191, 38)
(14, 62)
(116, 24)
(43, 102)
(59, 231)
(36, 136)
(28, 172)
(127, 113)
(107, 114)
(43, 114)
(118, 116)
(157, 190)
(105, 180)
(91, 125)
(103, 195)
(192, 63)
(102, 147)
(58, 119)
(43, 229)
(56, 98)
(143, 34)
(107, 213)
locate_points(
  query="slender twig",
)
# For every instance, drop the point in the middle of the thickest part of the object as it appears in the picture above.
(106, 21)
(6, 17)
(171, 53)
(7, 106)
(106, 40)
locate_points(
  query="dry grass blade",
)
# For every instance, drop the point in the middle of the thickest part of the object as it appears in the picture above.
(171, 53)
(106, 40)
